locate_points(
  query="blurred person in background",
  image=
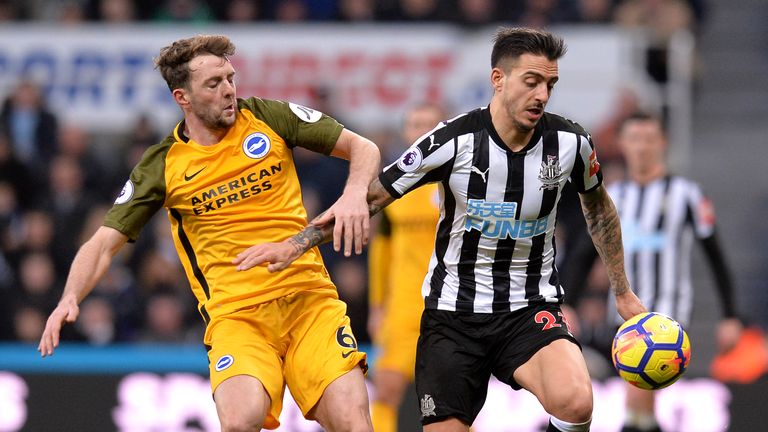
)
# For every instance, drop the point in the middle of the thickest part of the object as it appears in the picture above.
(398, 260)
(227, 178)
(31, 127)
(661, 215)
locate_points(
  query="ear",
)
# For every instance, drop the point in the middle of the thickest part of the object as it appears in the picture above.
(180, 96)
(497, 79)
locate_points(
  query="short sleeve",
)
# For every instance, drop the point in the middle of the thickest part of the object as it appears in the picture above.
(296, 124)
(586, 174)
(143, 194)
(702, 210)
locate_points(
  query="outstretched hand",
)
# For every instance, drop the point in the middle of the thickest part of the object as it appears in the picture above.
(66, 312)
(352, 220)
(278, 255)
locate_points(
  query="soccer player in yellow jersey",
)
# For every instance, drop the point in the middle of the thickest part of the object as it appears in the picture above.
(398, 260)
(228, 181)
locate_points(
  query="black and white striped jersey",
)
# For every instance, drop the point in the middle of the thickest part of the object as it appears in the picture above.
(494, 249)
(659, 222)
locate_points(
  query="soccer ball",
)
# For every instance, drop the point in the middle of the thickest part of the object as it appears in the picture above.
(651, 351)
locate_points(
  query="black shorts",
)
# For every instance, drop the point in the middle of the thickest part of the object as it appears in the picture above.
(458, 351)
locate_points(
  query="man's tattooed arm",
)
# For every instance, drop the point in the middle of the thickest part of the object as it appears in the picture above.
(605, 228)
(314, 235)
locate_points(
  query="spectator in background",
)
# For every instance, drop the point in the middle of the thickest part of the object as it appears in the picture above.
(413, 11)
(31, 127)
(114, 11)
(96, 322)
(68, 204)
(594, 11)
(75, 144)
(190, 11)
(8, 11)
(356, 11)
(242, 11)
(290, 11)
(17, 174)
(475, 13)
(165, 321)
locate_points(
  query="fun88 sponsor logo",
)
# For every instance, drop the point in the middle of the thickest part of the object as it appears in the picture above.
(497, 220)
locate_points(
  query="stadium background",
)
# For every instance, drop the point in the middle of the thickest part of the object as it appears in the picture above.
(134, 360)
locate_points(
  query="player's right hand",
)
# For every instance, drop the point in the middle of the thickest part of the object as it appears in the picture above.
(66, 312)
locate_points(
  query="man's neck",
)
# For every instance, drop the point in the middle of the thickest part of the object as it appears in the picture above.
(647, 176)
(195, 130)
(513, 138)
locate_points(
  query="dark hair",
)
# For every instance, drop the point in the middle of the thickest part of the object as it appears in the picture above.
(173, 60)
(512, 42)
(642, 116)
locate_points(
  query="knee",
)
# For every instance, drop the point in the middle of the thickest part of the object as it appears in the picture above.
(353, 421)
(240, 423)
(573, 406)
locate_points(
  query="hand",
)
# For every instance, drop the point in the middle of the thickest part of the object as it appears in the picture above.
(352, 220)
(628, 305)
(66, 311)
(728, 334)
(278, 255)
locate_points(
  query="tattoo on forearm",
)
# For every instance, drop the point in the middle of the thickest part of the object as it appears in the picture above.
(308, 238)
(605, 228)
(378, 197)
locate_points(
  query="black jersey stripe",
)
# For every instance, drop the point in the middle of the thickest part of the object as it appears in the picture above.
(550, 151)
(442, 239)
(635, 255)
(476, 189)
(190, 252)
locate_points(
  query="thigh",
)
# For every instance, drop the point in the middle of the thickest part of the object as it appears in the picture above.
(557, 375)
(242, 403)
(344, 404)
(321, 346)
(243, 361)
(452, 371)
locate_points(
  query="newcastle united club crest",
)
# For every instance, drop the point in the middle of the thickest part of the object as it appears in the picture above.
(550, 173)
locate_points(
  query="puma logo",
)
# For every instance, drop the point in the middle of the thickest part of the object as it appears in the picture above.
(432, 143)
(482, 174)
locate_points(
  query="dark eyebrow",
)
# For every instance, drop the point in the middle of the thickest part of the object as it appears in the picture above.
(542, 77)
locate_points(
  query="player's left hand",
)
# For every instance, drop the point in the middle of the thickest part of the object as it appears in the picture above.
(728, 334)
(352, 220)
(278, 255)
(629, 305)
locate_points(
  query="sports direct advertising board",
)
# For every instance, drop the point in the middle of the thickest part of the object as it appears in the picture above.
(103, 77)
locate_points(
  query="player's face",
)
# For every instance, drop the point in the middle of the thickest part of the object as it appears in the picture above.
(419, 121)
(212, 91)
(643, 144)
(525, 88)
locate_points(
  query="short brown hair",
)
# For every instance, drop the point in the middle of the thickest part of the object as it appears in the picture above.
(173, 60)
(512, 42)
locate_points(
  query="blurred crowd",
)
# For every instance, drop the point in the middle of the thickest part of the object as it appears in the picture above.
(57, 182)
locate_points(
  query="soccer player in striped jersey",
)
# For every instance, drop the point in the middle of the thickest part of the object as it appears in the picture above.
(492, 293)
(661, 214)
(227, 179)
(398, 260)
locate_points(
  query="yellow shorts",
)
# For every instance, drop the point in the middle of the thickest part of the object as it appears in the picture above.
(397, 337)
(303, 340)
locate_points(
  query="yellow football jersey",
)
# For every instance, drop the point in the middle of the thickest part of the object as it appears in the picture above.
(397, 270)
(224, 198)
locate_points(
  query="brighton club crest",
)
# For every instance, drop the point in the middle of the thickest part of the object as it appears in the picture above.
(427, 406)
(550, 173)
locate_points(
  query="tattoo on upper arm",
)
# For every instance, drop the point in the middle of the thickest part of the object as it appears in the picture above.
(605, 229)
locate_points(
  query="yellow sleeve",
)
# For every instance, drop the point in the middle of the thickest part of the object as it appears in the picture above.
(378, 263)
